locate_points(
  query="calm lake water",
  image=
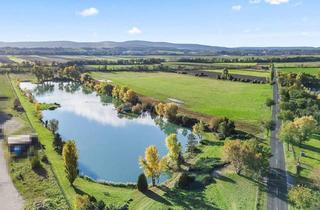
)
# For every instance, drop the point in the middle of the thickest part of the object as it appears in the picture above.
(109, 143)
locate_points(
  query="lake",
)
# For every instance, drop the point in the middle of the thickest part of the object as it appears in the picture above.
(109, 143)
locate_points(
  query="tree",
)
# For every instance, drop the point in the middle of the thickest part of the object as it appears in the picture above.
(256, 156)
(171, 111)
(306, 126)
(270, 102)
(174, 150)
(226, 127)
(191, 144)
(269, 125)
(151, 164)
(142, 183)
(233, 153)
(248, 154)
(131, 96)
(70, 159)
(289, 133)
(53, 125)
(300, 196)
(198, 129)
(82, 202)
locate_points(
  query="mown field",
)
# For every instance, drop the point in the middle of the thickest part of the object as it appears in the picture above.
(307, 70)
(236, 100)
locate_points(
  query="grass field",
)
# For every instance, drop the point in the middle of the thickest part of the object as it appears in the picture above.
(236, 100)
(298, 65)
(244, 72)
(311, 159)
(300, 70)
(16, 59)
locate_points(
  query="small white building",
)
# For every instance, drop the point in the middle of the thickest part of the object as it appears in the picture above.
(19, 144)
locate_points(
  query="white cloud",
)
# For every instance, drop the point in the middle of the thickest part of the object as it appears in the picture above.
(276, 2)
(236, 7)
(89, 12)
(134, 31)
(254, 1)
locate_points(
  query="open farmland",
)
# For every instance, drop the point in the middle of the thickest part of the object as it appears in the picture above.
(300, 70)
(201, 95)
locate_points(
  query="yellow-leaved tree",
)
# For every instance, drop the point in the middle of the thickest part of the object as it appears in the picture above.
(151, 164)
(306, 126)
(70, 159)
(174, 156)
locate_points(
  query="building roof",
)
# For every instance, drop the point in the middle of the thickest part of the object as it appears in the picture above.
(19, 139)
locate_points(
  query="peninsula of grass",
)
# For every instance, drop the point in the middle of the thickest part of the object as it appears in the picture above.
(244, 102)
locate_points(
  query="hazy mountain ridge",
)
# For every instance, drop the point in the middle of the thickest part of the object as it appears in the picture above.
(140, 47)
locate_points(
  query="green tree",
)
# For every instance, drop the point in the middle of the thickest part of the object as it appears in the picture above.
(270, 102)
(53, 125)
(269, 125)
(70, 159)
(142, 183)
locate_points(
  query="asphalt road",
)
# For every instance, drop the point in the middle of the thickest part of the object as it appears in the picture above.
(277, 180)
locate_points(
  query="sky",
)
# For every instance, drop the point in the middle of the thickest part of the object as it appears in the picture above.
(230, 23)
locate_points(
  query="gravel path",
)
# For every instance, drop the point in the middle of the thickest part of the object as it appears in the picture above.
(10, 198)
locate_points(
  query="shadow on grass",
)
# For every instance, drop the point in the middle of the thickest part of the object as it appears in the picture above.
(191, 198)
(311, 148)
(224, 178)
(212, 143)
(41, 171)
(154, 196)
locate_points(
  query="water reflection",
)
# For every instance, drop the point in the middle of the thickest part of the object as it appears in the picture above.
(109, 143)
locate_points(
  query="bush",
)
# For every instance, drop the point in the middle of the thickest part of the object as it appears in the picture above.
(35, 162)
(137, 109)
(45, 159)
(142, 183)
(185, 180)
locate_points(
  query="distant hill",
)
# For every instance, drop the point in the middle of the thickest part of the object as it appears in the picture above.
(141, 47)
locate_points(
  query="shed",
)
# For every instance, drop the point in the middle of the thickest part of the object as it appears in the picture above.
(19, 144)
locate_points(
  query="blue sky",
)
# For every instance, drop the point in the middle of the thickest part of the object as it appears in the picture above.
(214, 22)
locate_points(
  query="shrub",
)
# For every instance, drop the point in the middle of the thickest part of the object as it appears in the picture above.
(35, 162)
(45, 159)
(82, 202)
(185, 180)
(214, 123)
(142, 183)
(137, 108)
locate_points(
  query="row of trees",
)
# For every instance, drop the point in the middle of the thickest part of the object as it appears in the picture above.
(300, 112)
(137, 61)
